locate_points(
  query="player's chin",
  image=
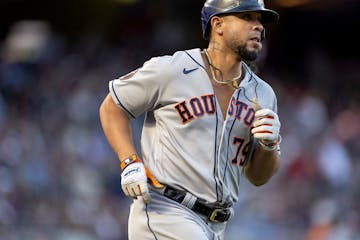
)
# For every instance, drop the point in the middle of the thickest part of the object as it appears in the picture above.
(249, 55)
(255, 46)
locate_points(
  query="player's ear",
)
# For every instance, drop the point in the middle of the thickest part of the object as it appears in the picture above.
(216, 24)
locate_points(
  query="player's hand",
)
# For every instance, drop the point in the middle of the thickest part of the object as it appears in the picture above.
(134, 181)
(266, 128)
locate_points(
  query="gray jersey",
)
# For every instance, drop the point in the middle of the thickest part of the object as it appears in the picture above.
(186, 142)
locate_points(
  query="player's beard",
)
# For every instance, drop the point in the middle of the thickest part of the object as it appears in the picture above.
(246, 54)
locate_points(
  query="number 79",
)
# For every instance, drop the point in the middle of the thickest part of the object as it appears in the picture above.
(242, 150)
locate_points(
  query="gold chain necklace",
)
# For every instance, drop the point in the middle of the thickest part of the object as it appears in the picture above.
(234, 81)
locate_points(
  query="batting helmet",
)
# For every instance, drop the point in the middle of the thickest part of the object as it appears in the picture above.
(215, 7)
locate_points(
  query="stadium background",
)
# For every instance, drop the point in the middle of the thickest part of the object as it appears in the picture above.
(59, 179)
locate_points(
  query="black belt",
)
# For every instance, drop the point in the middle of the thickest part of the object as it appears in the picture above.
(214, 212)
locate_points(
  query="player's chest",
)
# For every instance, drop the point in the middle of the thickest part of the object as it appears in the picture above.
(223, 94)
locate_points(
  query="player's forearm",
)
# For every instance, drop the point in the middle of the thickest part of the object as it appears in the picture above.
(117, 128)
(262, 167)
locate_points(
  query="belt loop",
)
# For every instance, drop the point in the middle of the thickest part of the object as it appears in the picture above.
(189, 200)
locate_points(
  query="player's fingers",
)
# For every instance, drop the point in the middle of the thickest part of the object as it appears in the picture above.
(265, 136)
(132, 189)
(265, 132)
(131, 192)
(265, 112)
(264, 129)
(125, 190)
(135, 190)
(144, 192)
(128, 190)
(263, 121)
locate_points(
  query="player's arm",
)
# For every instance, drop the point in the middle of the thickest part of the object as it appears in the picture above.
(262, 166)
(117, 128)
(265, 160)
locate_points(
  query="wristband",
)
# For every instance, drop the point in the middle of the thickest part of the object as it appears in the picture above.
(127, 161)
(270, 146)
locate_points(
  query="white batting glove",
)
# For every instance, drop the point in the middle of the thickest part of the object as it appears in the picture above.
(134, 181)
(266, 128)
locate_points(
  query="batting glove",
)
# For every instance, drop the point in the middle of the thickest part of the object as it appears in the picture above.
(266, 128)
(134, 181)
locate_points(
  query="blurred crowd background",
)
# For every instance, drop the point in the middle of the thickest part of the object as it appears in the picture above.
(59, 179)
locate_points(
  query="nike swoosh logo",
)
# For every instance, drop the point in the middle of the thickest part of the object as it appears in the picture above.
(187, 71)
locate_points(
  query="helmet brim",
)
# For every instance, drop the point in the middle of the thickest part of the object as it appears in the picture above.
(269, 16)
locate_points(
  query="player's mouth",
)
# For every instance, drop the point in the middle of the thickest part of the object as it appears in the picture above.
(255, 42)
(256, 39)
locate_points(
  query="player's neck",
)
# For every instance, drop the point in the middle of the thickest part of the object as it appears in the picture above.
(227, 63)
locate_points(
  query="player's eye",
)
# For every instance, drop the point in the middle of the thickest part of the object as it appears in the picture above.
(250, 16)
(247, 17)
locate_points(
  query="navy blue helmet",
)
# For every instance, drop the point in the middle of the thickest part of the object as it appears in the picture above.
(216, 7)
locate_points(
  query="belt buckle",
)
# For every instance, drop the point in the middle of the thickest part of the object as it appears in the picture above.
(215, 213)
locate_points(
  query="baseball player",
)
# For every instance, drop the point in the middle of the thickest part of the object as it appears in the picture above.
(204, 109)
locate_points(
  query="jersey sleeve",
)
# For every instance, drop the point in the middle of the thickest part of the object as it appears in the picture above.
(139, 90)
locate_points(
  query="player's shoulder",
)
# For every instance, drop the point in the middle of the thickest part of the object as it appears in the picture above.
(189, 55)
(254, 78)
(260, 89)
(174, 63)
